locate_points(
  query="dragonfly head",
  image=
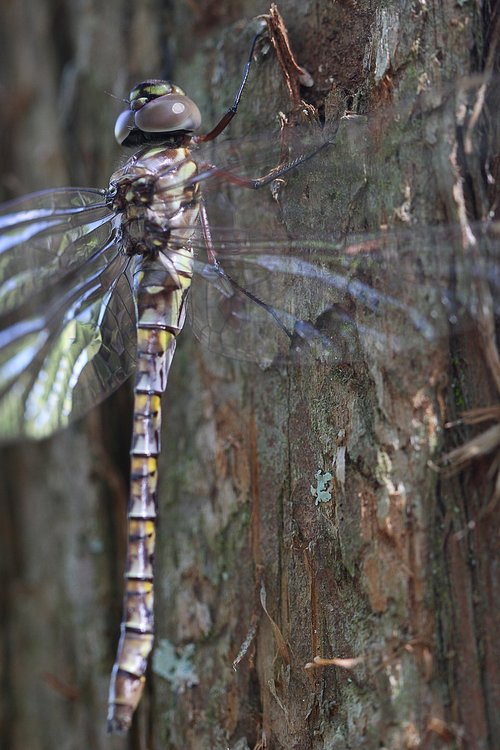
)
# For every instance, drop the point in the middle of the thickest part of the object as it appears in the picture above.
(158, 111)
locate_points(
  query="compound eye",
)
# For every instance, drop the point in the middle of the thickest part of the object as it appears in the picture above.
(125, 122)
(168, 113)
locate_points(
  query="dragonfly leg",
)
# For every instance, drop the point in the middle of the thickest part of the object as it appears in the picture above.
(254, 183)
(207, 235)
(228, 116)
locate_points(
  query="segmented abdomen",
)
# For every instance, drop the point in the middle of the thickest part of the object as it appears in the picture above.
(161, 299)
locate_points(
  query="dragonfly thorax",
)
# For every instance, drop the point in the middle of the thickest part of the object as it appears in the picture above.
(157, 196)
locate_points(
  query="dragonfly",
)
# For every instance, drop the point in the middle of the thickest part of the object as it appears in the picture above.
(96, 284)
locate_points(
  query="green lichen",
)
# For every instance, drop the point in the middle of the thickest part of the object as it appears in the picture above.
(322, 490)
(175, 665)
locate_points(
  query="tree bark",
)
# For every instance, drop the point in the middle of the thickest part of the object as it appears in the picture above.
(395, 571)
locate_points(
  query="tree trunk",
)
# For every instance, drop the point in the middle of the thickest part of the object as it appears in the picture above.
(393, 569)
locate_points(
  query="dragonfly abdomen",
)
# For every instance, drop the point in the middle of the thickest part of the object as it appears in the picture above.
(162, 287)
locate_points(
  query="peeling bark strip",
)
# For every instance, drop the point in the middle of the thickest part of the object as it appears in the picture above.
(295, 75)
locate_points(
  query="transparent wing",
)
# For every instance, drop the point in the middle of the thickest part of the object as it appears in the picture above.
(67, 311)
(271, 293)
(391, 291)
(67, 317)
(44, 235)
